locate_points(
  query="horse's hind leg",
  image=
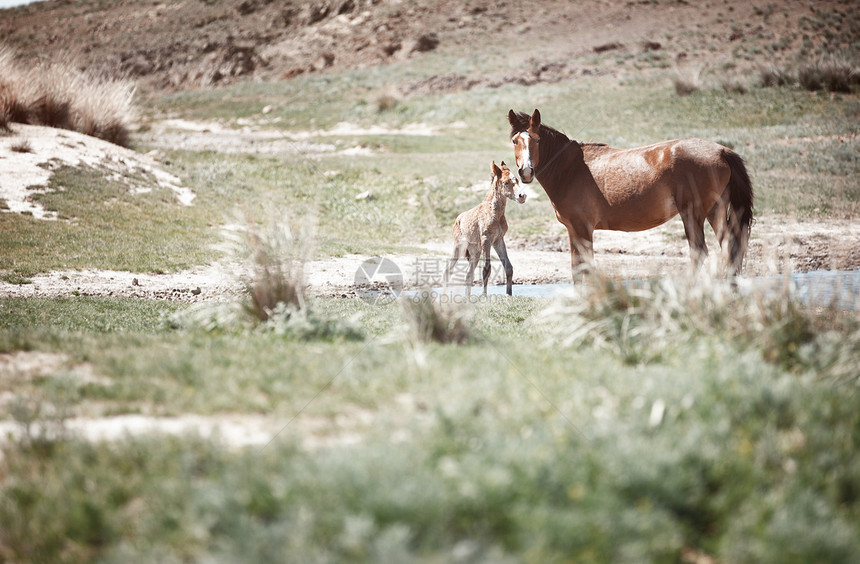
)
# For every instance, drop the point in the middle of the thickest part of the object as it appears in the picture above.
(694, 227)
(718, 218)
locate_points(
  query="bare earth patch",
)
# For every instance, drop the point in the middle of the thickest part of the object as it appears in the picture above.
(257, 137)
(25, 173)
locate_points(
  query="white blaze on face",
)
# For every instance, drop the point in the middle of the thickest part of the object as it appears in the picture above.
(524, 162)
(525, 157)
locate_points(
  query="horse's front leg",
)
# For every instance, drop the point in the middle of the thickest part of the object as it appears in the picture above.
(581, 252)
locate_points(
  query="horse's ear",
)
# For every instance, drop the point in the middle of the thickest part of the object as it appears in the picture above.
(497, 172)
(512, 119)
(535, 121)
(503, 165)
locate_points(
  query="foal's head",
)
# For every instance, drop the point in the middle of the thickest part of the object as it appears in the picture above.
(507, 184)
(525, 137)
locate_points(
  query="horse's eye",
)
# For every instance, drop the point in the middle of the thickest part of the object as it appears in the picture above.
(514, 141)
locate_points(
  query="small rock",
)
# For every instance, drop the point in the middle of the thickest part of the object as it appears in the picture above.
(324, 61)
(196, 291)
(134, 282)
(366, 195)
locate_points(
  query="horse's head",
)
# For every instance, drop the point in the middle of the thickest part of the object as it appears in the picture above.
(507, 184)
(525, 135)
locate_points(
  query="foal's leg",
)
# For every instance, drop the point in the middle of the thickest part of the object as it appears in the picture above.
(502, 251)
(474, 255)
(485, 249)
(458, 250)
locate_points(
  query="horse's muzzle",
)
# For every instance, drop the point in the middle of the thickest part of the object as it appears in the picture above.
(527, 174)
(521, 198)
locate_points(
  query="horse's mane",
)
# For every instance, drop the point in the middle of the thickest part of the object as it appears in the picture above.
(545, 131)
(552, 140)
(555, 136)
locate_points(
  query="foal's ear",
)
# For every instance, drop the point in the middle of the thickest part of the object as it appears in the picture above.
(535, 121)
(497, 172)
(512, 119)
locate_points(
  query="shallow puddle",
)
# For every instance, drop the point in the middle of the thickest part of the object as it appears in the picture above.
(836, 288)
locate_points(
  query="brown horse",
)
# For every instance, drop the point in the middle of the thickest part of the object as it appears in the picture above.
(594, 186)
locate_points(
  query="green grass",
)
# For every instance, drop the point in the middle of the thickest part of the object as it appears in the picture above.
(103, 225)
(521, 446)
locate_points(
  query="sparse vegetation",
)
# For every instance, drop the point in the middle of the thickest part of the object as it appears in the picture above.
(23, 146)
(733, 86)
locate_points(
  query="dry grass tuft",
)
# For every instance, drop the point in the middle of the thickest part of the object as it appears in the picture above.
(431, 320)
(273, 258)
(833, 74)
(733, 86)
(22, 147)
(772, 75)
(685, 86)
(4, 118)
(56, 94)
(649, 321)
(387, 100)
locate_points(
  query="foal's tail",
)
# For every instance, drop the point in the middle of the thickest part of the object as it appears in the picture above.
(740, 214)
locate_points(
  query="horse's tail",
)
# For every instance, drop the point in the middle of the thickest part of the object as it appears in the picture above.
(740, 216)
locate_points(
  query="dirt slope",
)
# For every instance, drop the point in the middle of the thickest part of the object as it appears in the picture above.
(197, 43)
